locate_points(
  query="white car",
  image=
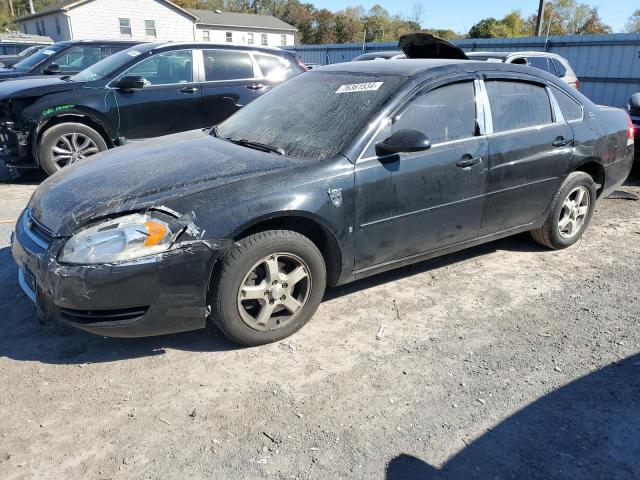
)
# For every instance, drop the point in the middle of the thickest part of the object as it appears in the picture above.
(549, 62)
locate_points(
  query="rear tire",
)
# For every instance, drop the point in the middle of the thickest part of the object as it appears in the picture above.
(68, 143)
(570, 214)
(268, 287)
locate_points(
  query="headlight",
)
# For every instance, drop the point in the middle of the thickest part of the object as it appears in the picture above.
(118, 240)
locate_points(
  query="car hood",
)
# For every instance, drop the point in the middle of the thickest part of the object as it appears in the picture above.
(425, 45)
(34, 86)
(145, 175)
(6, 73)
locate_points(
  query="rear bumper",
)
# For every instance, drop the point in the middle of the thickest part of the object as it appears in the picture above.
(616, 173)
(156, 295)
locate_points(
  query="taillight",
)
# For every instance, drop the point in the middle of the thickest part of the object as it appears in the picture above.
(631, 131)
(577, 84)
(301, 63)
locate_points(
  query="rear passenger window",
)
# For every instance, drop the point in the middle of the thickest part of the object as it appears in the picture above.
(517, 105)
(571, 109)
(274, 68)
(226, 65)
(542, 63)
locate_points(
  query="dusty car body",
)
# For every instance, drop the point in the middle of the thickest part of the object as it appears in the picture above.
(261, 216)
(146, 91)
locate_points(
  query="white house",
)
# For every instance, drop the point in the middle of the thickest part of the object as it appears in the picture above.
(153, 20)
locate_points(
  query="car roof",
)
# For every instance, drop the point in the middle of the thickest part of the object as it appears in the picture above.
(511, 54)
(66, 43)
(218, 46)
(400, 66)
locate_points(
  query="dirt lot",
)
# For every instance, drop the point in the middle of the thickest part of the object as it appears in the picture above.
(504, 361)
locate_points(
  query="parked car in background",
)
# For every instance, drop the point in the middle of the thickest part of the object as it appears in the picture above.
(64, 58)
(12, 43)
(10, 60)
(383, 55)
(634, 112)
(343, 172)
(549, 62)
(146, 91)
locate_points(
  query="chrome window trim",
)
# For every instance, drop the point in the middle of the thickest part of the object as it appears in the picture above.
(558, 116)
(483, 97)
(524, 129)
(435, 145)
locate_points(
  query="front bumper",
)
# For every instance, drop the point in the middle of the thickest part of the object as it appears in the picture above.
(15, 147)
(156, 295)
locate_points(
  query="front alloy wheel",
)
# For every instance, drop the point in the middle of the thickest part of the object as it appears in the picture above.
(267, 287)
(72, 147)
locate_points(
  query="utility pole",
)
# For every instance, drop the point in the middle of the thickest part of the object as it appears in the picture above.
(31, 9)
(11, 8)
(540, 20)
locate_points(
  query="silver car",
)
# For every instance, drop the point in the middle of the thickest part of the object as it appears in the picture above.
(549, 62)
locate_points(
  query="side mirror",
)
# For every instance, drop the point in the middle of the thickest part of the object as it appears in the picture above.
(403, 141)
(634, 102)
(53, 69)
(130, 82)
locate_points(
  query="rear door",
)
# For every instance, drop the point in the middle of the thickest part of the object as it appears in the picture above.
(169, 102)
(529, 152)
(412, 203)
(230, 80)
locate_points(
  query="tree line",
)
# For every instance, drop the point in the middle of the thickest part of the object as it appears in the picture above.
(355, 24)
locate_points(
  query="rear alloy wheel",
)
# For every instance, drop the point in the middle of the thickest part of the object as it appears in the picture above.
(267, 287)
(65, 144)
(570, 213)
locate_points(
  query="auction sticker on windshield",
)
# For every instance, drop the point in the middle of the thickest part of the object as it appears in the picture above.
(359, 87)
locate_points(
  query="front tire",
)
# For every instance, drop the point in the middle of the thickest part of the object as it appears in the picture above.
(268, 287)
(570, 214)
(68, 143)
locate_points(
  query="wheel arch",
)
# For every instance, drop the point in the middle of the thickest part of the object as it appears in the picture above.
(70, 118)
(594, 168)
(305, 224)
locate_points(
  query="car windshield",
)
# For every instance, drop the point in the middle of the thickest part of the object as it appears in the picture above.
(312, 115)
(37, 58)
(105, 67)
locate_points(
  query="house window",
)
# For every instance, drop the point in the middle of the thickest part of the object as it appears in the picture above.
(58, 29)
(229, 37)
(125, 27)
(150, 29)
(206, 36)
(264, 39)
(25, 29)
(283, 40)
(250, 38)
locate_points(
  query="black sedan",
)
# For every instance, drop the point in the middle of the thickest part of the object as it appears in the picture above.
(337, 174)
(149, 90)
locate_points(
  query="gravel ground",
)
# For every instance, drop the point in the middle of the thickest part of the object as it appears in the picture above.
(504, 361)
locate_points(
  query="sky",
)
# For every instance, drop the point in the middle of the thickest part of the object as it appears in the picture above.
(463, 14)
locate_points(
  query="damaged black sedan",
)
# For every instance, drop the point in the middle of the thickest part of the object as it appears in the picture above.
(338, 174)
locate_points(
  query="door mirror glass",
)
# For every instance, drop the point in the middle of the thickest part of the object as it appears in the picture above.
(403, 141)
(130, 82)
(53, 69)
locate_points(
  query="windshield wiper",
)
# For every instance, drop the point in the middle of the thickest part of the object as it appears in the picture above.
(256, 146)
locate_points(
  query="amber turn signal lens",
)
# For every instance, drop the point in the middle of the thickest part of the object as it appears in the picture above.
(155, 233)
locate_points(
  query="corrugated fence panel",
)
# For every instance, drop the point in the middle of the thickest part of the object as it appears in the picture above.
(607, 65)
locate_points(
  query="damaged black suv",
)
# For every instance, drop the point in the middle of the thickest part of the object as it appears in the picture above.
(149, 90)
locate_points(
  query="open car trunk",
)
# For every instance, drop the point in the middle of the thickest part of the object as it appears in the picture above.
(424, 45)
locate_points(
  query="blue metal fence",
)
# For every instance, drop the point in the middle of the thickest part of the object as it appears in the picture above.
(608, 65)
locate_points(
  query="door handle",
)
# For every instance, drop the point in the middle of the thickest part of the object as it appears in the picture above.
(255, 86)
(562, 142)
(188, 90)
(468, 161)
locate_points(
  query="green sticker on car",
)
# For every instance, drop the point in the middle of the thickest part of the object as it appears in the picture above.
(57, 108)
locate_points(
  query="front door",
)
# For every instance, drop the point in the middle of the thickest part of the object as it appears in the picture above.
(530, 151)
(413, 203)
(170, 101)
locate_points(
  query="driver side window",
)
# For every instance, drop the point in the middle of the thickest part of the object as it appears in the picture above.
(165, 68)
(445, 114)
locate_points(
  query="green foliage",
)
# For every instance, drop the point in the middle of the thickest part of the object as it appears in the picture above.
(633, 24)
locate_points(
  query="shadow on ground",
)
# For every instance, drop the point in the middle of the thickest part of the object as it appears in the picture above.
(588, 429)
